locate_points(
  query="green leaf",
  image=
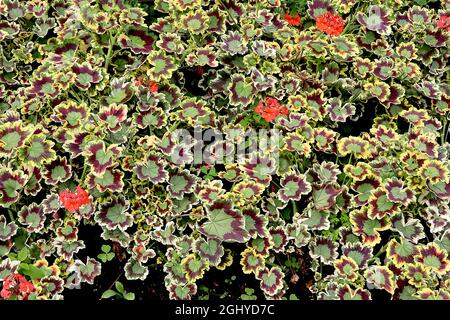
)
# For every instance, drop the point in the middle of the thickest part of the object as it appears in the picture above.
(108, 294)
(129, 296)
(23, 254)
(102, 257)
(119, 287)
(32, 271)
(106, 248)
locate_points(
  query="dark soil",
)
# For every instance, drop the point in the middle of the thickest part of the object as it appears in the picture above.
(215, 285)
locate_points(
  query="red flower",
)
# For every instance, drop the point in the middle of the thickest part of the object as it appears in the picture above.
(295, 21)
(72, 201)
(152, 86)
(16, 285)
(444, 22)
(138, 82)
(330, 24)
(270, 109)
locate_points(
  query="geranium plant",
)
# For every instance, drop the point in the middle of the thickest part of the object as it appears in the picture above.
(301, 147)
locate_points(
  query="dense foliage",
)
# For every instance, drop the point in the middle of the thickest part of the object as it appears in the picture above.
(351, 201)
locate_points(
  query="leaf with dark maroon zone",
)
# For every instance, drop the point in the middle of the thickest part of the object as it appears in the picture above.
(152, 169)
(293, 121)
(402, 252)
(32, 217)
(251, 261)
(315, 219)
(260, 169)
(115, 214)
(100, 157)
(171, 43)
(33, 185)
(411, 230)
(8, 30)
(194, 267)
(240, 90)
(441, 189)
(339, 112)
(364, 189)
(279, 239)
(262, 82)
(134, 270)
(86, 75)
(7, 230)
(359, 252)
(299, 234)
(137, 40)
(88, 271)
(162, 65)
(67, 249)
(224, 223)
(8, 267)
(319, 7)
(12, 137)
(433, 258)
(11, 184)
(366, 227)
(76, 144)
(346, 293)
(120, 92)
(57, 171)
(271, 280)
(255, 222)
(70, 114)
(324, 196)
(42, 87)
(39, 150)
(293, 187)
(181, 183)
(111, 180)
(113, 115)
(233, 44)
(346, 267)
(380, 206)
(154, 117)
(381, 277)
(376, 19)
(323, 249)
(211, 250)
(182, 292)
(51, 203)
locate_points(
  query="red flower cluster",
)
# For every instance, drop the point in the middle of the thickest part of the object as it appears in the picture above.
(152, 86)
(444, 22)
(16, 285)
(292, 20)
(72, 201)
(270, 108)
(330, 24)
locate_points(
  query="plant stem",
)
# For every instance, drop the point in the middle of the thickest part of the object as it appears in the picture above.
(294, 207)
(175, 125)
(444, 131)
(112, 42)
(83, 175)
(11, 216)
(114, 281)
